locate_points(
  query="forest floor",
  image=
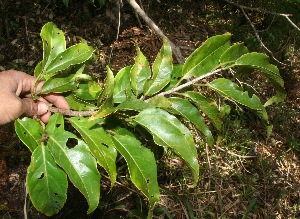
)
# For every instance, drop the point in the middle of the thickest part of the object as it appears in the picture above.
(243, 176)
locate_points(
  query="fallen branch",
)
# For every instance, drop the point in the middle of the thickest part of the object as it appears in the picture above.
(153, 26)
(243, 8)
(259, 39)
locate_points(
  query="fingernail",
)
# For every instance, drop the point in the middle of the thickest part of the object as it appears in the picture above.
(42, 108)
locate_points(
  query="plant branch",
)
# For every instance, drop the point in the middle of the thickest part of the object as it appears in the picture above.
(71, 112)
(243, 8)
(191, 82)
(153, 26)
(259, 39)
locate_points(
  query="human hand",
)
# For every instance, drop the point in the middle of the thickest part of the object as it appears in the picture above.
(16, 100)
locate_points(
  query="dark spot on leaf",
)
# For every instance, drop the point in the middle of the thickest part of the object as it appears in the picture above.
(152, 196)
(78, 51)
(55, 193)
(24, 133)
(46, 42)
(148, 180)
(60, 58)
(52, 47)
(57, 125)
(42, 176)
(58, 33)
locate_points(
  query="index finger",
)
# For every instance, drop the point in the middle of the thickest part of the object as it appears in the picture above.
(58, 100)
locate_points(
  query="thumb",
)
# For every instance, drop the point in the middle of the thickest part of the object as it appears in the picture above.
(32, 108)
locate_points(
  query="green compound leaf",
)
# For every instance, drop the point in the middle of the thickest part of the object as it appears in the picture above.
(53, 42)
(79, 164)
(141, 164)
(162, 70)
(30, 132)
(207, 106)
(260, 62)
(73, 55)
(99, 143)
(232, 91)
(229, 57)
(206, 58)
(122, 83)
(47, 184)
(191, 113)
(140, 72)
(168, 131)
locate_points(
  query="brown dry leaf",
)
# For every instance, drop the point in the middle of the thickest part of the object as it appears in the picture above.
(14, 41)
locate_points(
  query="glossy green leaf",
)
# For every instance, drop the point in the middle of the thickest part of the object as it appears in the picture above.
(168, 131)
(76, 103)
(191, 113)
(134, 104)
(104, 110)
(38, 69)
(207, 106)
(53, 43)
(47, 184)
(232, 91)
(140, 72)
(88, 91)
(73, 55)
(59, 84)
(108, 89)
(78, 163)
(175, 77)
(160, 102)
(55, 123)
(122, 82)
(206, 58)
(106, 100)
(229, 57)
(99, 143)
(30, 132)
(141, 164)
(161, 70)
(260, 62)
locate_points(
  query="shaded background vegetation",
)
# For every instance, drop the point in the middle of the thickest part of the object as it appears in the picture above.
(233, 185)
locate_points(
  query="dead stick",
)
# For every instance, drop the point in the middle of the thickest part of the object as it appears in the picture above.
(152, 25)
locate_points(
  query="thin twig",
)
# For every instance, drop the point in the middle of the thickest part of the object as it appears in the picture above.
(243, 8)
(234, 154)
(258, 37)
(175, 89)
(118, 30)
(256, 9)
(152, 25)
